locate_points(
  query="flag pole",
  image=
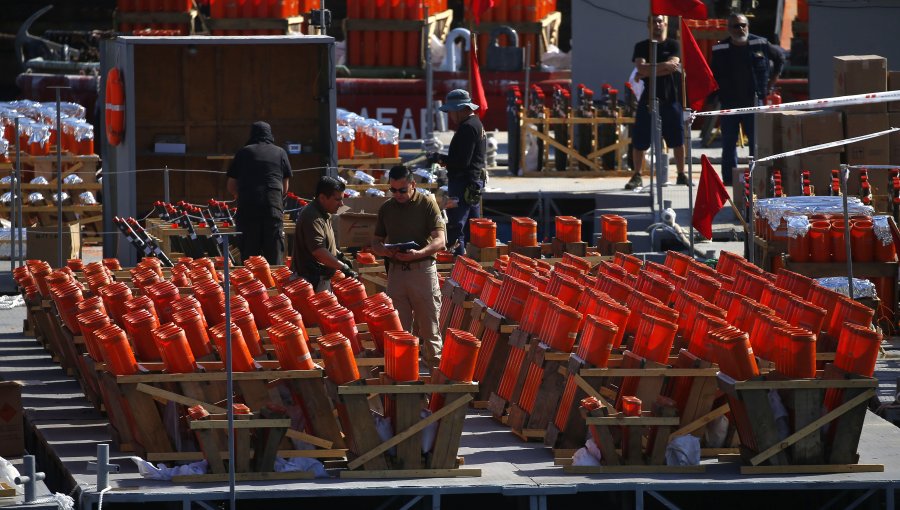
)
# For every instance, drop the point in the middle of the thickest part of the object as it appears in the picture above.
(688, 120)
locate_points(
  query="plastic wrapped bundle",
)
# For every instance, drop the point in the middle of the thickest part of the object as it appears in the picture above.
(375, 192)
(72, 179)
(40, 180)
(87, 198)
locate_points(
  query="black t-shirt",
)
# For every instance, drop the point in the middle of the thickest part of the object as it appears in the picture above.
(260, 169)
(668, 87)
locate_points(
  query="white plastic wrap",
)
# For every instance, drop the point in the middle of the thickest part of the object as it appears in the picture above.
(774, 209)
(374, 192)
(782, 427)
(87, 198)
(36, 198)
(363, 177)
(797, 226)
(582, 457)
(429, 433)
(164, 472)
(300, 464)
(683, 451)
(72, 179)
(350, 193)
(8, 475)
(40, 180)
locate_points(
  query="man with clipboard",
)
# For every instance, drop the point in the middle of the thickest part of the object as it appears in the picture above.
(411, 224)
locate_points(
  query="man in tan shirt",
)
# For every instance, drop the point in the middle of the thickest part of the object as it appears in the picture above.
(412, 274)
(315, 252)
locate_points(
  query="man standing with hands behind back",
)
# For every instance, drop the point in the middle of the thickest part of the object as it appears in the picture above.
(740, 65)
(412, 281)
(668, 93)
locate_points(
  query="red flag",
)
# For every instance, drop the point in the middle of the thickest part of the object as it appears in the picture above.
(690, 9)
(711, 197)
(478, 8)
(698, 77)
(478, 96)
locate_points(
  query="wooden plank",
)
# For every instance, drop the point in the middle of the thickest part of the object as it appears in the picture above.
(245, 477)
(179, 399)
(358, 424)
(308, 438)
(410, 473)
(632, 469)
(812, 469)
(408, 408)
(702, 421)
(264, 375)
(403, 388)
(449, 434)
(805, 384)
(319, 412)
(649, 372)
(812, 427)
(240, 424)
(401, 436)
(804, 407)
(151, 431)
(195, 456)
(633, 420)
(591, 392)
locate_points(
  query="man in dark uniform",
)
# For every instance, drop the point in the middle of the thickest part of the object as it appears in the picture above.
(465, 167)
(668, 93)
(315, 257)
(740, 65)
(258, 179)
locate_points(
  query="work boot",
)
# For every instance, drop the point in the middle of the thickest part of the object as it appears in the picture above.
(681, 180)
(635, 182)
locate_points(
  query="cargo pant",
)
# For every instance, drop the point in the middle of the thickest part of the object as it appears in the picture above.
(416, 294)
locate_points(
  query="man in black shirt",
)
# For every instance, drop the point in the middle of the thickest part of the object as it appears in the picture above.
(465, 167)
(316, 257)
(740, 65)
(258, 179)
(668, 92)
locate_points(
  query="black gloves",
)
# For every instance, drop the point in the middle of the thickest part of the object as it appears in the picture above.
(349, 272)
(434, 158)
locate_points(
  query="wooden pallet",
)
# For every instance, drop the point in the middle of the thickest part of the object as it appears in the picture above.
(532, 424)
(607, 248)
(140, 393)
(808, 448)
(369, 455)
(455, 306)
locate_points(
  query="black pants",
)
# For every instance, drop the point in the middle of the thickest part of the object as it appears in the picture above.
(262, 236)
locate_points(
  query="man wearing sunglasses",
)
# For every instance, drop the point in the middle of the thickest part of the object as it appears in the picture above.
(412, 281)
(740, 65)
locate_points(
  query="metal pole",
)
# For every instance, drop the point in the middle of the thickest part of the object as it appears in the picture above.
(322, 20)
(845, 174)
(653, 108)
(751, 242)
(429, 83)
(18, 192)
(59, 181)
(527, 73)
(687, 155)
(13, 213)
(229, 377)
(166, 184)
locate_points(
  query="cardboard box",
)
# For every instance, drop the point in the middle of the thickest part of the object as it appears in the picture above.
(819, 164)
(42, 243)
(364, 203)
(12, 420)
(805, 129)
(894, 138)
(879, 181)
(353, 229)
(768, 133)
(893, 84)
(874, 151)
(858, 74)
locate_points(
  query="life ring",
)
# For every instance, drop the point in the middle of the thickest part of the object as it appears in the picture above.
(115, 106)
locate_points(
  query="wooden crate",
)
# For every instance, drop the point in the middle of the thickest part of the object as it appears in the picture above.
(577, 248)
(369, 455)
(541, 127)
(486, 254)
(631, 444)
(607, 248)
(808, 448)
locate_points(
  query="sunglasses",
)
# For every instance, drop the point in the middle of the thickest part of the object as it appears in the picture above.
(739, 25)
(398, 190)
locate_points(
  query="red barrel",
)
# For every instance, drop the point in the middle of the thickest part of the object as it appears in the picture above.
(291, 347)
(338, 319)
(176, 351)
(244, 320)
(382, 319)
(299, 292)
(256, 295)
(337, 356)
(115, 295)
(597, 341)
(241, 360)
(140, 325)
(654, 338)
(862, 241)
(88, 323)
(401, 356)
(163, 295)
(459, 355)
(191, 322)
(116, 352)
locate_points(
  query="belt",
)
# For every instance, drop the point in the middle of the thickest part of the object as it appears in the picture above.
(406, 266)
